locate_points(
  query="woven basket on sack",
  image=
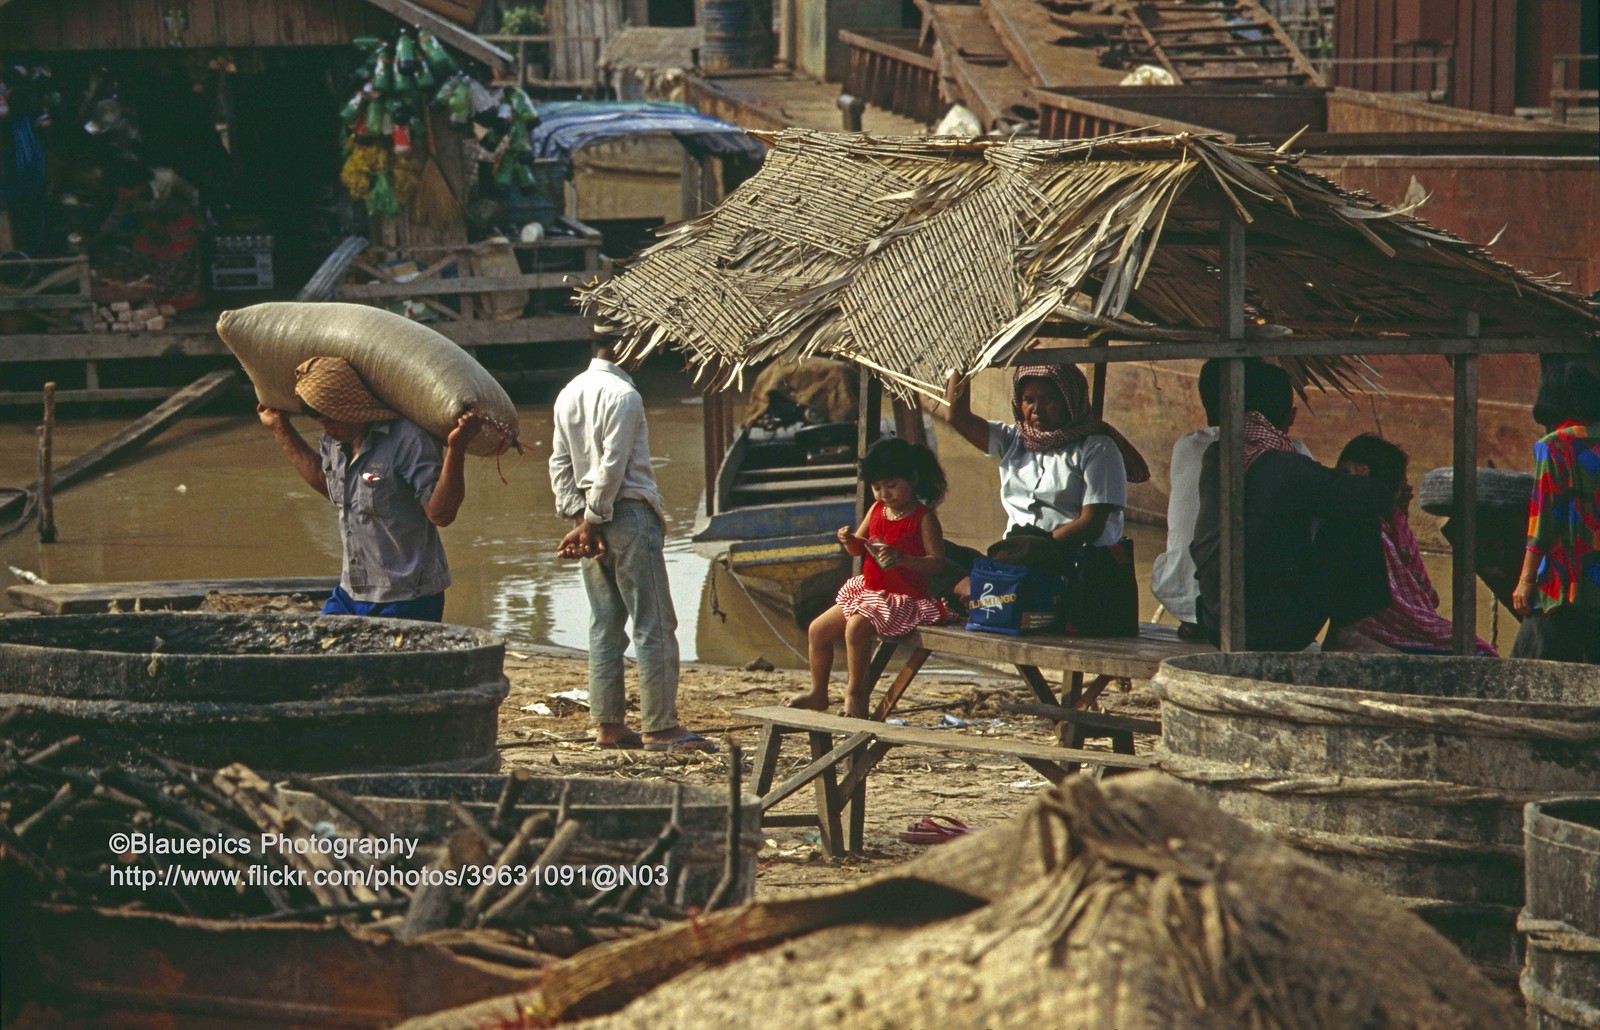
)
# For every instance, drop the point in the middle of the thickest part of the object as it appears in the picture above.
(411, 368)
(1136, 904)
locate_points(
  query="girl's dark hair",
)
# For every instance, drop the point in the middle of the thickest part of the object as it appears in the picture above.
(1385, 461)
(1568, 392)
(894, 458)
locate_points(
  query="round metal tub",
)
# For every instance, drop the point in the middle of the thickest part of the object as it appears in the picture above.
(620, 818)
(277, 692)
(1561, 980)
(1408, 773)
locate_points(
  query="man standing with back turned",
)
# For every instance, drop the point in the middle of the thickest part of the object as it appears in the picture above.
(605, 487)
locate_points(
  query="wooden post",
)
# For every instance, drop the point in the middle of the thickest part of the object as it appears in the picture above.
(1463, 567)
(1097, 395)
(850, 110)
(689, 187)
(908, 424)
(47, 432)
(708, 436)
(1232, 258)
(868, 414)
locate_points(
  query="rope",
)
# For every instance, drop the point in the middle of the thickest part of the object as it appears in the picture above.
(757, 606)
(1330, 709)
(1427, 792)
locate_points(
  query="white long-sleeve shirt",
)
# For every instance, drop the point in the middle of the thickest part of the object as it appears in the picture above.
(601, 450)
(1172, 576)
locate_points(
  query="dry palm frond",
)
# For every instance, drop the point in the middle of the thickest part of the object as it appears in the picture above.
(914, 256)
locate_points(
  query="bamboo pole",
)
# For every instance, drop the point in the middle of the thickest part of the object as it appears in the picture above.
(47, 504)
(1232, 485)
(1463, 571)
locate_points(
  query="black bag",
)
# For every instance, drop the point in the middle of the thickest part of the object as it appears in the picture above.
(1101, 596)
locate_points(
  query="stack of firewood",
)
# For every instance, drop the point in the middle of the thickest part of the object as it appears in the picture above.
(58, 825)
(121, 316)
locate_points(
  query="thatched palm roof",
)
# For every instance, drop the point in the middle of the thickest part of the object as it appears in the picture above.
(913, 256)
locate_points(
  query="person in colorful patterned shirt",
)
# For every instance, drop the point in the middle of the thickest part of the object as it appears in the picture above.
(1558, 593)
(1412, 623)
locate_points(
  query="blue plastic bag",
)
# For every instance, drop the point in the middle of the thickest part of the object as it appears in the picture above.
(1010, 599)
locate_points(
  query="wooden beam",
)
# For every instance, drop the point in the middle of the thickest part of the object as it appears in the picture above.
(385, 291)
(193, 396)
(1231, 293)
(1463, 565)
(448, 32)
(1290, 347)
(869, 412)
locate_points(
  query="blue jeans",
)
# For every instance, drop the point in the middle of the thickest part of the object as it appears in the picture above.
(419, 609)
(630, 581)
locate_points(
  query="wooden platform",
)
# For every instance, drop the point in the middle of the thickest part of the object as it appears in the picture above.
(168, 595)
(864, 745)
(1122, 657)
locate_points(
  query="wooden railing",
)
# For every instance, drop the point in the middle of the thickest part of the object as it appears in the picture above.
(579, 52)
(1427, 77)
(55, 291)
(1565, 71)
(887, 70)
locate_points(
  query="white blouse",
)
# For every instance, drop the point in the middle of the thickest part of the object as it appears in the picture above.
(1048, 489)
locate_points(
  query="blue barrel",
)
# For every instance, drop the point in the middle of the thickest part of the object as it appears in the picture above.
(738, 34)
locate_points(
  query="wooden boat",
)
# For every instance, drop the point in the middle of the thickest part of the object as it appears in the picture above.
(780, 496)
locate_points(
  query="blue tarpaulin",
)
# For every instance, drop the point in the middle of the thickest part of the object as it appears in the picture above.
(568, 126)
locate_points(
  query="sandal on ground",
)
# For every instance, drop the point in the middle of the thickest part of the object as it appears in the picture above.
(629, 741)
(687, 742)
(935, 829)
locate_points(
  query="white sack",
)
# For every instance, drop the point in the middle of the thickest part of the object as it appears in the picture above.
(411, 368)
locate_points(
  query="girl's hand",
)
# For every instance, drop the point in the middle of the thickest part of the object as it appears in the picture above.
(845, 535)
(887, 557)
(1522, 597)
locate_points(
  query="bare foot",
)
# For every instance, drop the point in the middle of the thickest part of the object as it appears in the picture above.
(851, 712)
(809, 701)
(1353, 641)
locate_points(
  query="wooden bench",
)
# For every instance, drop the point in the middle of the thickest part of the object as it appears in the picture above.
(1104, 657)
(864, 745)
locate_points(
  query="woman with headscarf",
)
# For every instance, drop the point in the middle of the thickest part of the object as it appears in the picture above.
(1064, 476)
(392, 486)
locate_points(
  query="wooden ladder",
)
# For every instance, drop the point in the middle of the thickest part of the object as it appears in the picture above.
(1199, 42)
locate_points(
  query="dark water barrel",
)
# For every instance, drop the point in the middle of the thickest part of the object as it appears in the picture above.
(736, 35)
(277, 692)
(1408, 773)
(1561, 978)
(620, 818)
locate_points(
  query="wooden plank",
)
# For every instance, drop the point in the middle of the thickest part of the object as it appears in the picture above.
(908, 672)
(94, 395)
(1231, 319)
(820, 764)
(1135, 657)
(1083, 354)
(1088, 720)
(939, 740)
(829, 802)
(177, 594)
(1463, 573)
(450, 33)
(193, 396)
(384, 291)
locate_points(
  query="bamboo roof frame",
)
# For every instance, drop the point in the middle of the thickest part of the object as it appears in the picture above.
(847, 245)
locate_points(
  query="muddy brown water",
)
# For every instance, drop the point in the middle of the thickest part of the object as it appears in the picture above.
(214, 498)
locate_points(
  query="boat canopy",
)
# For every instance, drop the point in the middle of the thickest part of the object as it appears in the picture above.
(568, 126)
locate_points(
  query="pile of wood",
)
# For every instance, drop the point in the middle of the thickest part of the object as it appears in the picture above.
(56, 821)
(121, 316)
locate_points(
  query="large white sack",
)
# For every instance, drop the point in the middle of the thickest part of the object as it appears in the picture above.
(411, 368)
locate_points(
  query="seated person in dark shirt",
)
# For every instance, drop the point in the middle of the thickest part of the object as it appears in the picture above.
(1312, 553)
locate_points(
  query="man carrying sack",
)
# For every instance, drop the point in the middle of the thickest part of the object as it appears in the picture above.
(392, 486)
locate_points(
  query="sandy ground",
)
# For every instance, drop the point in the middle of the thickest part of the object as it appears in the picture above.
(910, 783)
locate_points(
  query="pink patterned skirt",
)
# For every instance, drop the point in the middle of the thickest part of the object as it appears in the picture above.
(891, 615)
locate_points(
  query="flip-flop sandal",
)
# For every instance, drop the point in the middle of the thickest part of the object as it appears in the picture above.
(687, 742)
(935, 829)
(629, 741)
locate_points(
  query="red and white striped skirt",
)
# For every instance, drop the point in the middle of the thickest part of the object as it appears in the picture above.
(891, 615)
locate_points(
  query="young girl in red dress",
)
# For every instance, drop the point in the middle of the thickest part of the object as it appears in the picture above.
(903, 544)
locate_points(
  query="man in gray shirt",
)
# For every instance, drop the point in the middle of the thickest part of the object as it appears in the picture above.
(605, 487)
(391, 485)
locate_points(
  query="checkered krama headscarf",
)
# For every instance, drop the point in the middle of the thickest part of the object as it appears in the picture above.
(334, 388)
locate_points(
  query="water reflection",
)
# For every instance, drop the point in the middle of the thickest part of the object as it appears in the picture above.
(213, 499)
